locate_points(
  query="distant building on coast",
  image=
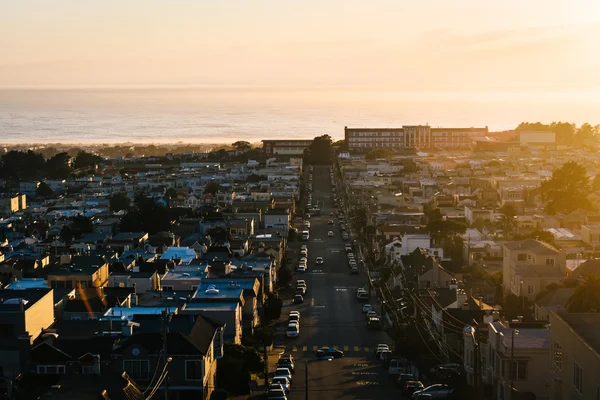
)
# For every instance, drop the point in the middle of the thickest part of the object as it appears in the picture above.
(293, 147)
(411, 137)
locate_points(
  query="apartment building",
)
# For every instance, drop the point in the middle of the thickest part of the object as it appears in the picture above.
(411, 137)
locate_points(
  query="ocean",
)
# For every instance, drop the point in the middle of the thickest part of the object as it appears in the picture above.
(224, 114)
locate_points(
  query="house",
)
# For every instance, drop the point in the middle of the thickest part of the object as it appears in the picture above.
(193, 347)
(142, 281)
(555, 300)
(223, 302)
(574, 371)
(127, 240)
(423, 271)
(238, 226)
(79, 271)
(528, 345)
(409, 243)
(184, 255)
(277, 219)
(92, 303)
(473, 214)
(252, 301)
(590, 234)
(184, 278)
(24, 314)
(529, 266)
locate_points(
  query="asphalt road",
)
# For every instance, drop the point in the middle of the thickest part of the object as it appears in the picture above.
(332, 316)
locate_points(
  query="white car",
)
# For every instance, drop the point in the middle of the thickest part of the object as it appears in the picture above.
(304, 247)
(367, 307)
(352, 263)
(303, 260)
(330, 233)
(302, 268)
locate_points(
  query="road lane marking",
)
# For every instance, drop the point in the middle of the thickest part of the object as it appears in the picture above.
(314, 348)
(364, 373)
(355, 348)
(345, 348)
(366, 349)
(294, 348)
(341, 289)
(304, 348)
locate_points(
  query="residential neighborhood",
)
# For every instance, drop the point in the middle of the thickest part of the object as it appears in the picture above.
(472, 256)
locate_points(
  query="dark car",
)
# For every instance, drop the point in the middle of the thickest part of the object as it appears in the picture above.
(298, 299)
(412, 386)
(286, 363)
(438, 391)
(329, 351)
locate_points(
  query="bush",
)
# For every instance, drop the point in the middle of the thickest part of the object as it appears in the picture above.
(273, 306)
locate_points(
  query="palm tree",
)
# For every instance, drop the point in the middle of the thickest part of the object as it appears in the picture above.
(587, 296)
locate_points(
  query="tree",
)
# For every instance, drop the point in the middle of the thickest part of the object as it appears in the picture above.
(146, 215)
(44, 190)
(586, 297)
(432, 212)
(596, 183)
(66, 234)
(171, 193)
(59, 166)
(254, 178)
(319, 152)
(120, 201)
(86, 160)
(285, 275)
(241, 145)
(22, 165)
(273, 306)
(81, 225)
(379, 153)
(567, 190)
(585, 133)
(212, 187)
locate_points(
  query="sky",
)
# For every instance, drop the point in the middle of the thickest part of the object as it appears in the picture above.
(460, 45)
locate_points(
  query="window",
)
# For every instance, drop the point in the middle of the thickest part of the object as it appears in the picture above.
(519, 369)
(522, 257)
(88, 370)
(549, 261)
(578, 377)
(51, 369)
(530, 289)
(557, 356)
(193, 370)
(137, 369)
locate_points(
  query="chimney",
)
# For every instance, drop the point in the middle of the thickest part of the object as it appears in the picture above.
(127, 329)
(461, 298)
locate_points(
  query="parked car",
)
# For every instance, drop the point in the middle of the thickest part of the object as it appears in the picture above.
(381, 347)
(283, 382)
(329, 351)
(293, 318)
(403, 378)
(285, 372)
(354, 269)
(298, 299)
(412, 386)
(371, 314)
(438, 391)
(366, 308)
(374, 323)
(287, 363)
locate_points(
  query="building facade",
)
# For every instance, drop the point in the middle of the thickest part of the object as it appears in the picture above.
(286, 147)
(411, 137)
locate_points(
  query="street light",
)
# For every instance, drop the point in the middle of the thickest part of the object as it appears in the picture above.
(470, 331)
(514, 333)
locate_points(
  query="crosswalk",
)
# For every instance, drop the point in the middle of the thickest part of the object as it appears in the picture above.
(349, 349)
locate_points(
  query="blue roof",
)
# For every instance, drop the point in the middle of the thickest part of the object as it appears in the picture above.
(220, 306)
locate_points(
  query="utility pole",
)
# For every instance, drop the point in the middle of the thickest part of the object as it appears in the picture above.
(266, 354)
(306, 380)
(165, 331)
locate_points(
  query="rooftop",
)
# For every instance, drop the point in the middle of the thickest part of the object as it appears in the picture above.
(532, 245)
(128, 313)
(526, 339)
(586, 325)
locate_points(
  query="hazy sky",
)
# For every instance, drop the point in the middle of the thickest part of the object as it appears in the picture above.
(406, 44)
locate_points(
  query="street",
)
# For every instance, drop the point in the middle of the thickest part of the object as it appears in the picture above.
(332, 316)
